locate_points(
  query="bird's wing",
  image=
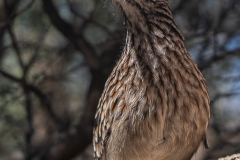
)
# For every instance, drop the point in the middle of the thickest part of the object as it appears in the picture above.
(101, 132)
(103, 118)
(117, 98)
(110, 107)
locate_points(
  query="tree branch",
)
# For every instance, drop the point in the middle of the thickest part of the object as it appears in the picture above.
(41, 96)
(67, 30)
(77, 142)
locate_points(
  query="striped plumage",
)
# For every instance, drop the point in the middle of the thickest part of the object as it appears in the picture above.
(155, 104)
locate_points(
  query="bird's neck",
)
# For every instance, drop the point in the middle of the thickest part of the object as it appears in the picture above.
(152, 34)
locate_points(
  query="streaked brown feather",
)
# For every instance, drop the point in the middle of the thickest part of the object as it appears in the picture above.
(155, 104)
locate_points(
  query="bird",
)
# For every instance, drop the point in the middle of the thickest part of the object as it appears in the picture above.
(155, 103)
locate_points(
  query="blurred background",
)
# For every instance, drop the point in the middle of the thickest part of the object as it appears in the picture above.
(55, 56)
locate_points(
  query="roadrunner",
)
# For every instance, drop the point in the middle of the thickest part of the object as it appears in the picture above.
(155, 104)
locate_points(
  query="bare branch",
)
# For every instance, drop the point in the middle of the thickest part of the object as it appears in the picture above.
(41, 96)
(30, 128)
(77, 142)
(36, 52)
(23, 10)
(15, 46)
(67, 30)
(13, 15)
(88, 20)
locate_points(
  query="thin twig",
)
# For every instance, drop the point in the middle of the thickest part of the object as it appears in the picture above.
(75, 38)
(88, 20)
(30, 128)
(23, 10)
(36, 52)
(41, 96)
(16, 48)
(11, 17)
